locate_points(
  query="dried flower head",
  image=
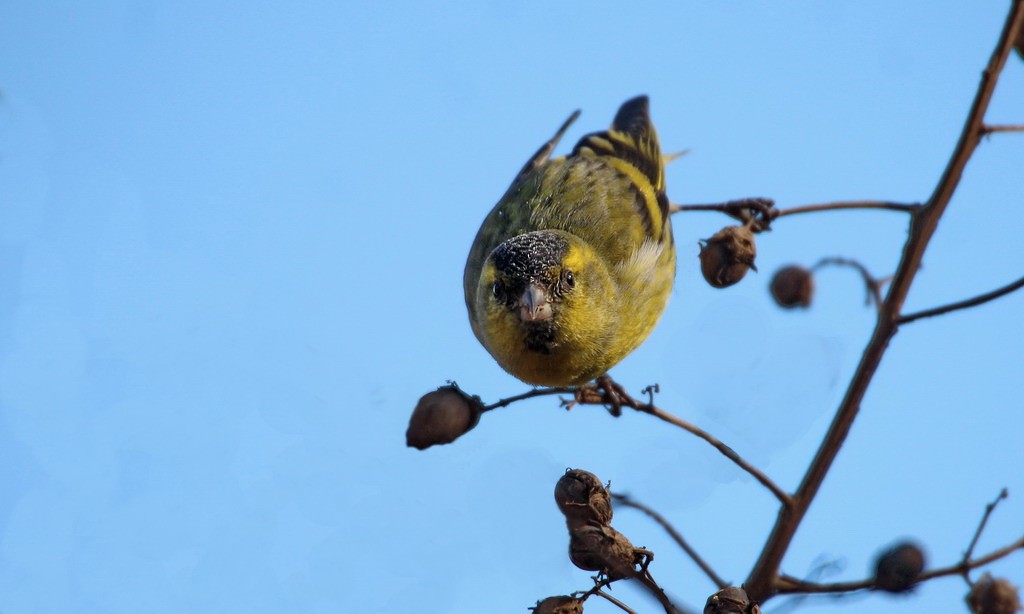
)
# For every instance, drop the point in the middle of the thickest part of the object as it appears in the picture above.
(993, 596)
(726, 257)
(582, 498)
(793, 286)
(442, 416)
(560, 604)
(603, 549)
(731, 600)
(899, 567)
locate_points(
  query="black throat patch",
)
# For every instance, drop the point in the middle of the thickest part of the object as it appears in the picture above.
(541, 337)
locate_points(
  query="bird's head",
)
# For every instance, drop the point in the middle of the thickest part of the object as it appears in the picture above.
(543, 289)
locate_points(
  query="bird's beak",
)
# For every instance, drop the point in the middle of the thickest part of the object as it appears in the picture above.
(533, 304)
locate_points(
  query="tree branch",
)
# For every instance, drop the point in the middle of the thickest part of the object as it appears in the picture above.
(851, 204)
(989, 129)
(765, 207)
(971, 302)
(981, 527)
(674, 534)
(536, 392)
(622, 606)
(760, 583)
(790, 585)
(785, 498)
(873, 286)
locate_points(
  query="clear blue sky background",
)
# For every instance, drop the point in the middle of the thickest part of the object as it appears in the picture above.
(231, 249)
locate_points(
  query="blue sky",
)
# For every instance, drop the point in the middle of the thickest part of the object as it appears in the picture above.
(231, 250)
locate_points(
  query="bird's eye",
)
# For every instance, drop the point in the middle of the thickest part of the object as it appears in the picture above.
(568, 278)
(498, 290)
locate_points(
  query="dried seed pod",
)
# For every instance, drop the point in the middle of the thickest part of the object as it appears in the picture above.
(793, 286)
(731, 600)
(993, 596)
(582, 498)
(603, 549)
(726, 257)
(561, 604)
(442, 416)
(898, 568)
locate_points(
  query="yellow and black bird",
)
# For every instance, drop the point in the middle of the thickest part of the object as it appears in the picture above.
(573, 267)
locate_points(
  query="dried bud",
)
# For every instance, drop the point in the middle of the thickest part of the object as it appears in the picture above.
(727, 255)
(793, 286)
(583, 499)
(993, 596)
(562, 604)
(898, 568)
(605, 550)
(731, 600)
(442, 416)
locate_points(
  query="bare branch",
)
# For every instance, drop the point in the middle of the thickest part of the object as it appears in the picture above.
(536, 392)
(618, 396)
(675, 535)
(736, 208)
(761, 583)
(765, 207)
(981, 527)
(989, 129)
(622, 606)
(851, 204)
(781, 495)
(790, 585)
(871, 283)
(971, 302)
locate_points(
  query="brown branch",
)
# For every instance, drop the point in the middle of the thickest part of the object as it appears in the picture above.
(609, 393)
(789, 585)
(981, 527)
(760, 583)
(989, 129)
(622, 606)
(785, 498)
(851, 204)
(766, 207)
(736, 208)
(536, 392)
(675, 535)
(873, 285)
(971, 302)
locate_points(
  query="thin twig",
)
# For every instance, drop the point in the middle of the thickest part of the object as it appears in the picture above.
(761, 583)
(593, 397)
(850, 204)
(765, 207)
(622, 606)
(536, 392)
(647, 581)
(735, 208)
(981, 527)
(674, 534)
(971, 302)
(989, 129)
(789, 585)
(873, 285)
(784, 497)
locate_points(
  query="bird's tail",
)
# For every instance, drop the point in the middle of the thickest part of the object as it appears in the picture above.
(631, 146)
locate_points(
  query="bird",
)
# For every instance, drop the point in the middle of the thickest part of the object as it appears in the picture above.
(573, 267)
